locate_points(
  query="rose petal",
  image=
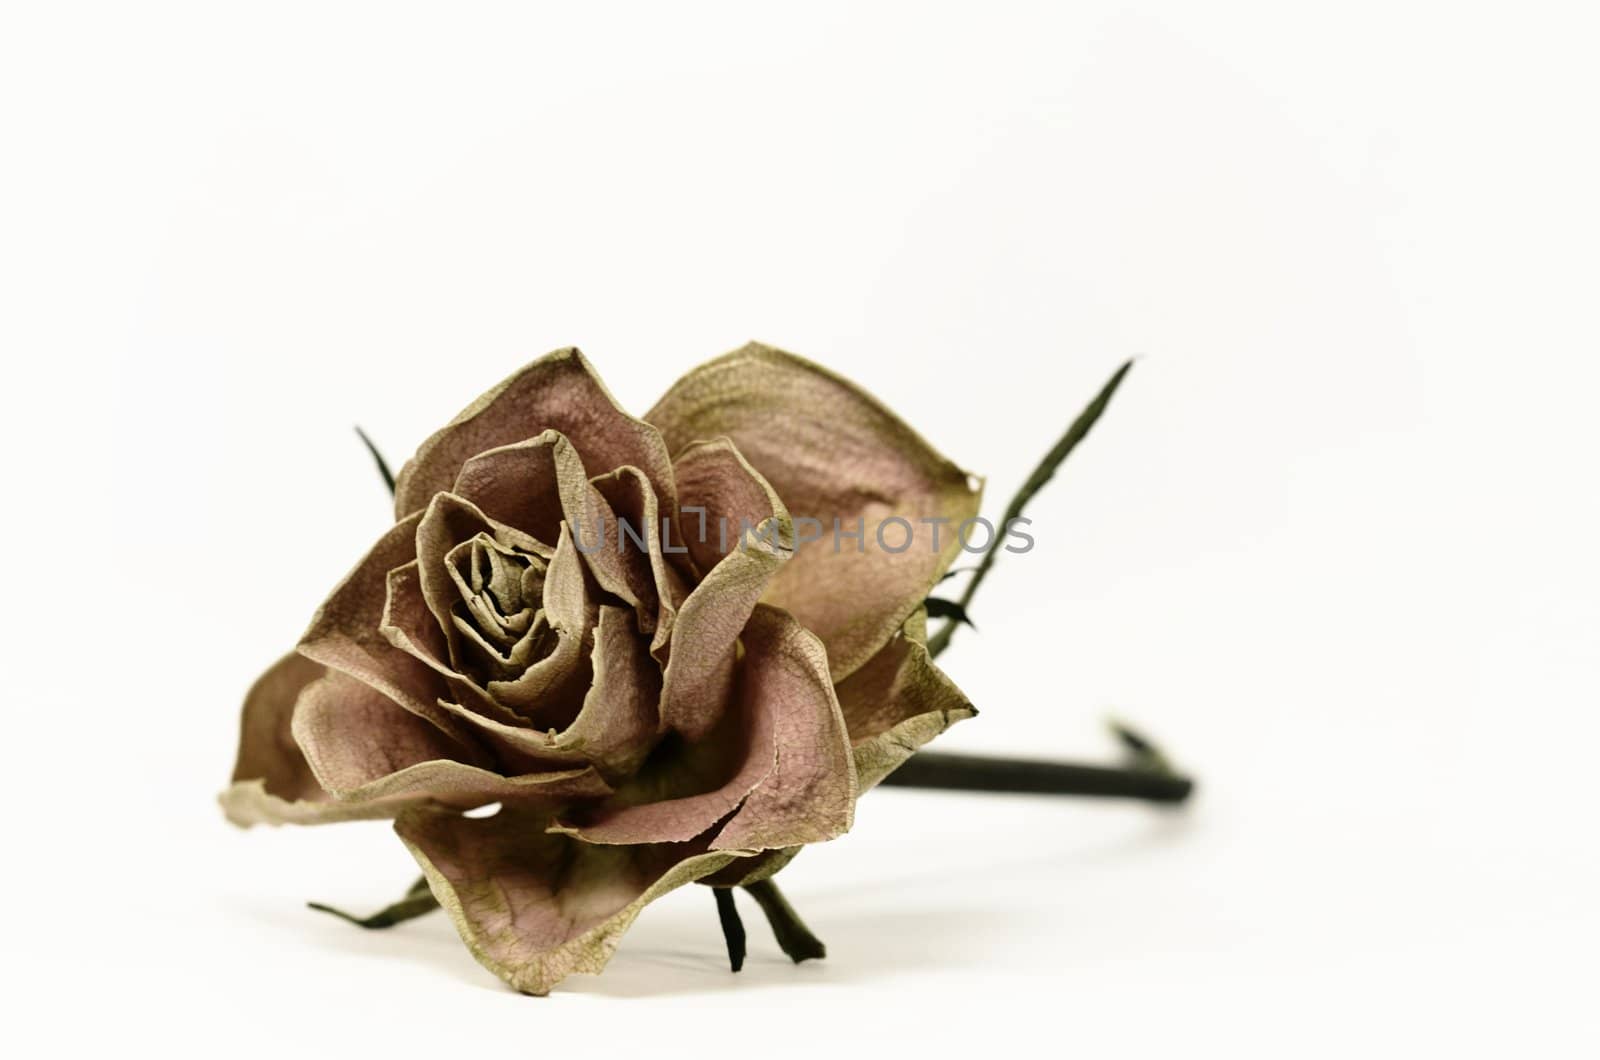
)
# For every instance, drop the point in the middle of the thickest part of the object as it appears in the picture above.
(685, 788)
(810, 795)
(558, 392)
(409, 624)
(700, 666)
(270, 772)
(635, 517)
(746, 871)
(893, 705)
(363, 748)
(533, 484)
(550, 692)
(519, 748)
(897, 702)
(540, 483)
(365, 757)
(345, 633)
(617, 727)
(832, 452)
(780, 757)
(447, 522)
(533, 907)
(248, 802)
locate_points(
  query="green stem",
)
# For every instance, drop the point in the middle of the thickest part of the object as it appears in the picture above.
(794, 938)
(732, 926)
(1147, 775)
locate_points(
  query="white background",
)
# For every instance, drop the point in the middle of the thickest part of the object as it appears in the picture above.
(1334, 544)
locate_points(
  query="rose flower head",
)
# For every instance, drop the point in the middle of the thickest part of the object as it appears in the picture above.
(672, 649)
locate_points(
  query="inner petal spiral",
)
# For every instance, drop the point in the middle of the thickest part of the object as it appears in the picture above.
(499, 614)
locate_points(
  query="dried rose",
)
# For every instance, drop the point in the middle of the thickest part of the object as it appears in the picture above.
(556, 624)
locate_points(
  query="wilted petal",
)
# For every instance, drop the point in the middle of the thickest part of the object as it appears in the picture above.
(550, 692)
(683, 790)
(532, 484)
(559, 392)
(534, 907)
(270, 773)
(897, 702)
(538, 484)
(810, 794)
(450, 521)
(409, 624)
(248, 802)
(746, 871)
(758, 542)
(832, 452)
(617, 727)
(364, 749)
(518, 747)
(780, 757)
(633, 537)
(346, 634)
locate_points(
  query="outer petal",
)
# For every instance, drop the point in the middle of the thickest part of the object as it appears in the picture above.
(893, 705)
(700, 667)
(810, 795)
(271, 774)
(365, 749)
(558, 392)
(618, 725)
(791, 778)
(896, 703)
(364, 757)
(346, 635)
(683, 792)
(832, 452)
(534, 907)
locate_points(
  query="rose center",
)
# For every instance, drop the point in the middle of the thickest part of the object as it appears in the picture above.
(500, 615)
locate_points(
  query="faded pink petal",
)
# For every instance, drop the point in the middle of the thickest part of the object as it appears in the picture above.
(363, 748)
(635, 516)
(617, 727)
(533, 484)
(680, 796)
(897, 702)
(832, 452)
(270, 764)
(559, 392)
(346, 635)
(810, 794)
(538, 484)
(550, 692)
(699, 673)
(534, 907)
(446, 524)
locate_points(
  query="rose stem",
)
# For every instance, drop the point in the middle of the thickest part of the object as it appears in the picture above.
(418, 900)
(1077, 432)
(931, 769)
(1148, 776)
(794, 938)
(732, 926)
